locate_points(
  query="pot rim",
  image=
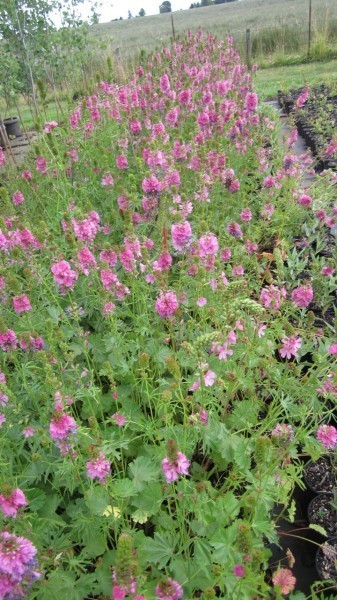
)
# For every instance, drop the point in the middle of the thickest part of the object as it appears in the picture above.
(319, 550)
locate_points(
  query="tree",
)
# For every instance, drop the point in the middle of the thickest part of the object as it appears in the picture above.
(25, 28)
(165, 7)
(142, 12)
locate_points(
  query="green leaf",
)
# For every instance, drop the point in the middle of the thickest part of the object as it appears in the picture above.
(318, 528)
(97, 499)
(149, 499)
(94, 542)
(158, 550)
(125, 488)
(36, 499)
(143, 470)
(202, 554)
(50, 505)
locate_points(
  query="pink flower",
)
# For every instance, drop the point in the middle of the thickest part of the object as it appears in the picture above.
(303, 97)
(119, 419)
(86, 259)
(62, 426)
(41, 165)
(271, 296)
(135, 127)
(28, 431)
(107, 180)
(151, 185)
(239, 571)
(209, 378)
(332, 349)
(234, 230)
(167, 304)
(302, 296)
(49, 125)
(327, 271)
(208, 245)
(290, 347)
(267, 211)
(246, 214)
(119, 592)
(122, 162)
(201, 302)
(327, 434)
(305, 200)
(16, 556)
(251, 101)
(21, 304)
(99, 468)
(226, 254)
(284, 431)
(87, 229)
(108, 308)
(8, 340)
(181, 234)
(108, 256)
(261, 330)
(11, 502)
(165, 84)
(238, 270)
(64, 276)
(172, 468)
(18, 198)
(285, 579)
(2, 158)
(168, 589)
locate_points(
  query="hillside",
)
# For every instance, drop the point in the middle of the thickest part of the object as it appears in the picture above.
(232, 18)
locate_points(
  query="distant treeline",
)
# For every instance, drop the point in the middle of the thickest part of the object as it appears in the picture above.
(208, 3)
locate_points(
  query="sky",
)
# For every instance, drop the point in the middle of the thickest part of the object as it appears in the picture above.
(113, 9)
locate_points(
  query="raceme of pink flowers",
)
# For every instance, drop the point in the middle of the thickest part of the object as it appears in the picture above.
(11, 501)
(302, 296)
(167, 304)
(98, 468)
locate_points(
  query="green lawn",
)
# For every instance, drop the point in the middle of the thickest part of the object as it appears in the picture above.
(268, 81)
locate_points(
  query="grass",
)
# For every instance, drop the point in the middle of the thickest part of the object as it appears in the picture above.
(268, 81)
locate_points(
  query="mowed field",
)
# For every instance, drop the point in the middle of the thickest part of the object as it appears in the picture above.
(232, 18)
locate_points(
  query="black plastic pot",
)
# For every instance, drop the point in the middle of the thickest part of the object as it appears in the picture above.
(326, 562)
(320, 512)
(319, 475)
(12, 125)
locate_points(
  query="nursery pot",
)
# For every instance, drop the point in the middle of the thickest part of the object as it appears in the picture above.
(321, 512)
(12, 125)
(319, 475)
(326, 561)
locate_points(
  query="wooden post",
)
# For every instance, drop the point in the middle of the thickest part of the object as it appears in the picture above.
(248, 48)
(309, 30)
(173, 31)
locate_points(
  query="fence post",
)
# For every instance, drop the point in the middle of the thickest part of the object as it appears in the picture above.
(309, 30)
(173, 31)
(248, 48)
